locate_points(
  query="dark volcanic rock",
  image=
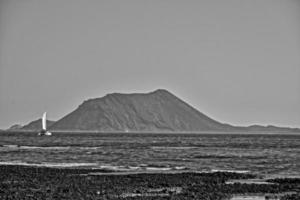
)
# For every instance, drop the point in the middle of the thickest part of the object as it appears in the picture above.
(24, 182)
(156, 111)
(36, 125)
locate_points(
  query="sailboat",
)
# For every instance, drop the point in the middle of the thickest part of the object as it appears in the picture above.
(44, 130)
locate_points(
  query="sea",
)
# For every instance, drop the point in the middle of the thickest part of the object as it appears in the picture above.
(272, 155)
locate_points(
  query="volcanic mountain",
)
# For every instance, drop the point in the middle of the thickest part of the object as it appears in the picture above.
(155, 111)
(158, 111)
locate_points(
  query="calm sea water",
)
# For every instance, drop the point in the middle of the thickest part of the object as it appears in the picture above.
(272, 154)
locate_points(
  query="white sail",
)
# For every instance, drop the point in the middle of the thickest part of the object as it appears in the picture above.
(44, 130)
(44, 121)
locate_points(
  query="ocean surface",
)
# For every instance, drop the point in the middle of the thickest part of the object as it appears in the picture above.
(264, 154)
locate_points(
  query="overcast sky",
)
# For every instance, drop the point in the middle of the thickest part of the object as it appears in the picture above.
(236, 61)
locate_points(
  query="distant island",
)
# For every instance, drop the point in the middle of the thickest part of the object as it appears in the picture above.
(157, 111)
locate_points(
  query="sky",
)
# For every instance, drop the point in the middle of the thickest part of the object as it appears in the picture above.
(236, 61)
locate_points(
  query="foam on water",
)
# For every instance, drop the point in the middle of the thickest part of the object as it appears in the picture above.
(115, 168)
(63, 165)
(142, 167)
(12, 146)
(180, 168)
(248, 197)
(159, 168)
(173, 148)
(45, 148)
(250, 181)
(231, 171)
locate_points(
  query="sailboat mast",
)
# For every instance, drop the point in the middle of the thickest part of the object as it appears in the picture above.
(44, 121)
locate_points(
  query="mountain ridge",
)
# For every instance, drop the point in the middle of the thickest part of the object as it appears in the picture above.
(156, 111)
(36, 125)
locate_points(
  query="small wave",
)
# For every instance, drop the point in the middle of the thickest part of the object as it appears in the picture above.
(231, 171)
(54, 165)
(134, 168)
(114, 168)
(180, 168)
(10, 146)
(158, 168)
(250, 181)
(179, 148)
(211, 157)
(49, 147)
(89, 148)
(70, 164)
(46, 148)
(248, 197)
(141, 168)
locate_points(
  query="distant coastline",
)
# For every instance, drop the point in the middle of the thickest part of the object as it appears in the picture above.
(158, 111)
(147, 132)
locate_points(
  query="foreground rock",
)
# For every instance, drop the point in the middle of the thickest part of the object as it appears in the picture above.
(21, 182)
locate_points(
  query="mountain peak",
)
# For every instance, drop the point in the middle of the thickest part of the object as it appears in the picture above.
(117, 94)
(161, 91)
(157, 91)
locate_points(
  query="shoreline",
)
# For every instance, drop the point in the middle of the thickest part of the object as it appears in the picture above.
(95, 170)
(21, 182)
(118, 170)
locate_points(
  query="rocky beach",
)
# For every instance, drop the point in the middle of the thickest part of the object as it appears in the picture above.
(23, 182)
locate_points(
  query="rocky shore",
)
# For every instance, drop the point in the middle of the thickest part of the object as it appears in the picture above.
(24, 182)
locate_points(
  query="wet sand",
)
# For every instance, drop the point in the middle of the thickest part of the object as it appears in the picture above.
(27, 182)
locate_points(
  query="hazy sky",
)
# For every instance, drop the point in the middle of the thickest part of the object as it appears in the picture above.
(236, 61)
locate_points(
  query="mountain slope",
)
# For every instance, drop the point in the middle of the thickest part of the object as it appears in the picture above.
(36, 125)
(15, 127)
(156, 111)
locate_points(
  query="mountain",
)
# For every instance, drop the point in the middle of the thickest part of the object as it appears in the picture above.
(155, 111)
(36, 125)
(158, 111)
